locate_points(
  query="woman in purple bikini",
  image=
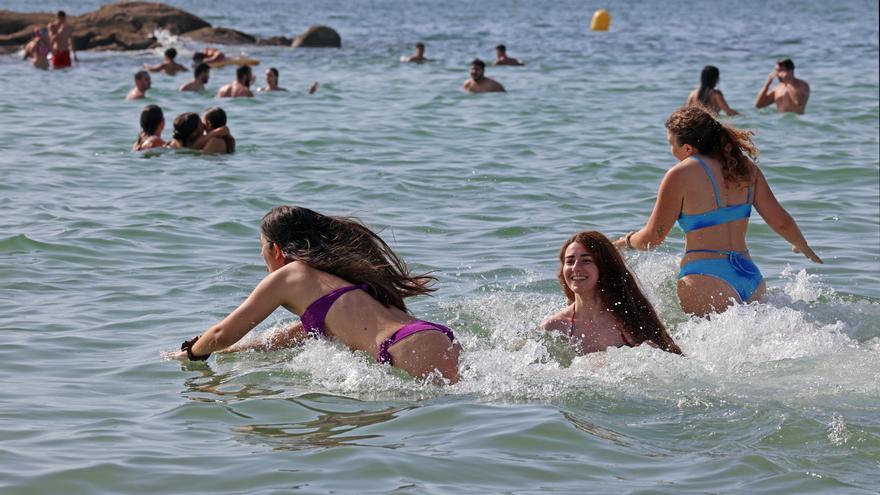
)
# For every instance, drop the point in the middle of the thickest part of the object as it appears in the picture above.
(346, 283)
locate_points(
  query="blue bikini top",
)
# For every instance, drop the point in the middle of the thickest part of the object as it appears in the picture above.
(719, 215)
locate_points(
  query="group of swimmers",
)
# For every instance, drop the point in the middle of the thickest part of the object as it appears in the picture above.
(52, 41)
(208, 133)
(346, 283)
(789, 95)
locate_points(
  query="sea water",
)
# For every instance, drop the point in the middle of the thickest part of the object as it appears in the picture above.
(108, 258)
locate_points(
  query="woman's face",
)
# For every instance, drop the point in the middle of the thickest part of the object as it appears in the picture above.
(679, 151)
(578, 269)
(271, 255)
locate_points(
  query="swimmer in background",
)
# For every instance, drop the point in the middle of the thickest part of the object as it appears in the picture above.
(710, 193)
(38, 49)
(152, 124)
(215, 118)
(790, 95)
(241, 86)
(142, 83)
(168, 66)
(346, 284)
(208, 56)
(201, 74)
(271, 81)
(706, 95)
(501, 57)
(606, 306)
(59, 37)
(479, 83)
(419, 56)
(189, 132)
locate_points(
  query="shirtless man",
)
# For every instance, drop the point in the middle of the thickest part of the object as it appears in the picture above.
(501, 57)
(272, 81)
(419, 57)
(790, 95)
(142, 83)
(59, 37)
(168, 66)
(478, 83)
(241, 87)
(200, 78)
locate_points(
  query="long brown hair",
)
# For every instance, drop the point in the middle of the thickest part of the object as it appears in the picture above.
(733, 147)
(346, 248)
(619, 292)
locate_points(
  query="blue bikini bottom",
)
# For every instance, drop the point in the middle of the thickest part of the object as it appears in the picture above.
(736, 270)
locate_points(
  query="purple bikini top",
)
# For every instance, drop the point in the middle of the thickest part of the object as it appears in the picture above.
(313, 317)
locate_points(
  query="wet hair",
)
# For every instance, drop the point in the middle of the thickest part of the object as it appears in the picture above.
(151, 117)
(274, 72)
(170, 53)
(198, 57)
(216, 117)
(785, 63)
(243, 71)
(501, 48)
(140, 74)
(708, 79)
(618, 291)
(479, 63)
(733, 147)
(344, 247)
(420, 45)
(200, 69)
(185, 126)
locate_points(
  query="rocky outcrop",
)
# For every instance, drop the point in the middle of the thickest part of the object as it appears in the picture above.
(131, 26)
(319, 37)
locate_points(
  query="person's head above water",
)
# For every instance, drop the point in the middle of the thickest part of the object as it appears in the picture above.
(478, 68)
(591, 267)
(693, 130)
(199, 57)
(342, 246)
(202, 72)
(785, 69)
(187, 127)
(152, 119)
(501, 50)
(420, 49)
(142, 80)
(170, 54)
(244, 75)
(708, 80)
(272, 76)
(215, 117)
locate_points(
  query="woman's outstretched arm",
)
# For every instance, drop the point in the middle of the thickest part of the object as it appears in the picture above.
(282, 338)
(666, 211)
(779, 219)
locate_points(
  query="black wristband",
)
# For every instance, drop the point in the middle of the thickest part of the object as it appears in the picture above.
(187, 346)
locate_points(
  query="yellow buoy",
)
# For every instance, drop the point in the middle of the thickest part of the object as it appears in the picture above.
(601, 20)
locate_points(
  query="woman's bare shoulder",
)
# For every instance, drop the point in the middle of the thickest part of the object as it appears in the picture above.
(557, 321)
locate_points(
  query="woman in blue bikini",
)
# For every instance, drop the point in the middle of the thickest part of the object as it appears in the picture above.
(346, 283)
(710, 193)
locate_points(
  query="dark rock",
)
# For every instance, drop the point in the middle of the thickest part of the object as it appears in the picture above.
(275, 41)
(319, 37)
(221, 36)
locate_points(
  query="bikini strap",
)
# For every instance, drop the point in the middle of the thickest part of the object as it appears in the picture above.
(711, 179)
(313, 317)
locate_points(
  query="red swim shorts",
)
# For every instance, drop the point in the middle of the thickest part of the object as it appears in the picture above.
(61, 59)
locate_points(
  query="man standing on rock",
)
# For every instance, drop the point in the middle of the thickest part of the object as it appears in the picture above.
(59, 37)
(142, 83)
(200, 78)
(241, 87)
(479, 83)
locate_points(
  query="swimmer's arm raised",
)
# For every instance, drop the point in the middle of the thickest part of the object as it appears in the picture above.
(766, 97)
(666, 211)
(154, 68)
(779, 219)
